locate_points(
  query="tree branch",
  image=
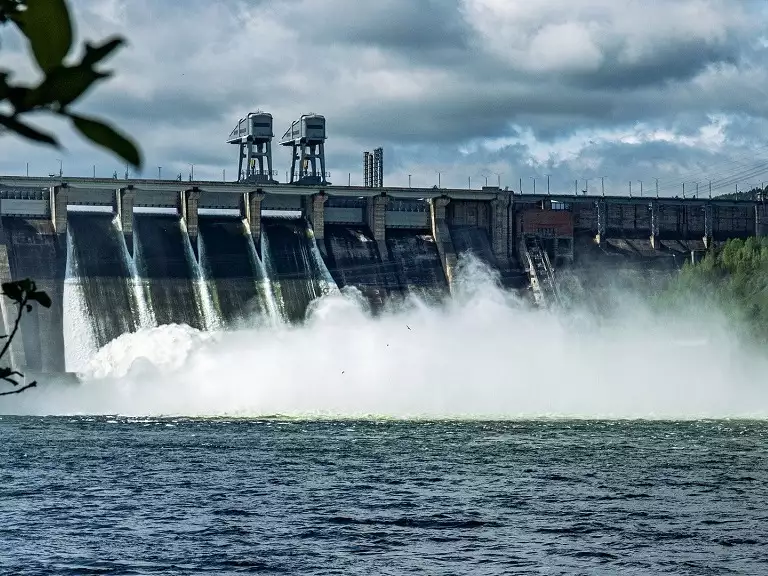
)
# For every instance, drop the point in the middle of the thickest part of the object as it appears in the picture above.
(20, 390)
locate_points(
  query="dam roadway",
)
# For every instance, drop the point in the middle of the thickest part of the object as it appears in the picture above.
(225, 252)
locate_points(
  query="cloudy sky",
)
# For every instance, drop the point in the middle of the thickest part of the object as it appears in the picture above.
(508, 89)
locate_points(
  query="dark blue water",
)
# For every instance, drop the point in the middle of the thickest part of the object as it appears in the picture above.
(98, 496)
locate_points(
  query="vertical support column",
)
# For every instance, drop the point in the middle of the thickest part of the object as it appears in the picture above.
(707, 226)
(123, 209)
(761, 219)
(58, 209)
(314, 212)
(442, 235)
(189, 201)
(654, 208)
(601, 215)
(500, 234)
(250, 211)
(322, 162)
(376, 219)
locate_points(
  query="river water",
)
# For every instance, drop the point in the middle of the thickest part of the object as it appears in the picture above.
(98, 495)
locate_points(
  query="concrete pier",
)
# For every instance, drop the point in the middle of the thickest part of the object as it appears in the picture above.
(250, 212)
(761, 220)
(189, 201)
(58, 209)
(601, 221)
(314, 212)
(376, 220)
(655, 240)
(501, 238)
(123, 209)
(442, 235)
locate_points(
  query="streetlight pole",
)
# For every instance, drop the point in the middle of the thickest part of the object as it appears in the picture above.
(349, 179)
(547, 184)
(641, 187)
(61, 168)
(657, 187)
(534, 184)
(602, 185)
(498, 176)
(191, 172)
(159, 172)
(409, 180)
(586, 186)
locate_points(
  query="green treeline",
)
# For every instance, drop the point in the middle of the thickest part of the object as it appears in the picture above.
(733, 278)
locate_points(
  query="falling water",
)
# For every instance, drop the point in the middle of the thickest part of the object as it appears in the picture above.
(146, 315)
(275, 293)
(79, 339)
(266, 284)
(328, 284)
(210, 317)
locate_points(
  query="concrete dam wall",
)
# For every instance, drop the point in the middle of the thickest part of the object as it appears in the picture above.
(224, 255)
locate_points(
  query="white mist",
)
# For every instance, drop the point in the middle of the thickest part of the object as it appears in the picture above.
(482, 355)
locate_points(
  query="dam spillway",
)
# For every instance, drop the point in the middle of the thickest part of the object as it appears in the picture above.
(225, 255)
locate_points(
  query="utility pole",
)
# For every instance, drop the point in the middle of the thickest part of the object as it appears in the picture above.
(521, 185)
(469, 182)
(191, 172)
(683, 189)
(27, 169)
(657, 187)
(159, 172)
(94, 171)
(409, 180)
(641, 187)
(710, 188)
(576, 187)
(547, 184)
(349, 179)
(630, 188)
(534, 183)
(602, 185)
(224, 175)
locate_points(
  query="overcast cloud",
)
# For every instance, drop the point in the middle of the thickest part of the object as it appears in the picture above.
(509, 89)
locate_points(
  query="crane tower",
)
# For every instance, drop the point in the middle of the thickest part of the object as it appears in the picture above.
(253, 134)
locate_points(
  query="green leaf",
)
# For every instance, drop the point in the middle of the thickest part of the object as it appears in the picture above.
(13, 291)
(47, 25)
(63, 85)
(41, 298)
(26, 130)
(95, 54)
(104, 135)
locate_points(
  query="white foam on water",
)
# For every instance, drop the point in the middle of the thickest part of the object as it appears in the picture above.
(482, 355)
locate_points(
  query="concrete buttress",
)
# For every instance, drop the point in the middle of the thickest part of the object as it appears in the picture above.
(189, 200)
(761, 220)
(442, 235)
(500, 229)
(654, 208)
(123, 209)
(58, 209)
(250, 211)
(376, 219)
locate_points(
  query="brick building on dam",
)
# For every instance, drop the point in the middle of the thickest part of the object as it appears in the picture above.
(117, 255)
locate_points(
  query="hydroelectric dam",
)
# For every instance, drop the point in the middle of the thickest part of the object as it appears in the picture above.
(117, 255)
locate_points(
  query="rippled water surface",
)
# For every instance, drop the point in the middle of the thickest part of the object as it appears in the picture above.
(131, 496)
